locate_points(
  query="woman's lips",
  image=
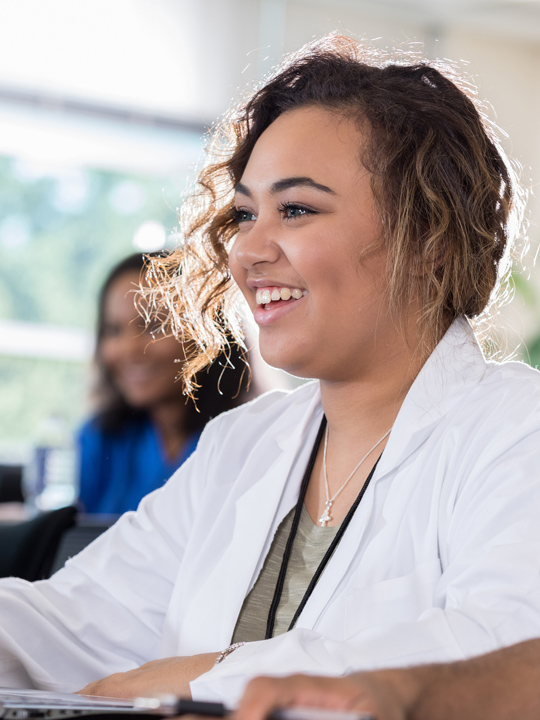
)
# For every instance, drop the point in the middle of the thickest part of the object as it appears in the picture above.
(271, 312)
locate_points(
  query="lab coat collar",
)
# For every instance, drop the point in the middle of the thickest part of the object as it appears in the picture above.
(455, 366)
(291, 431)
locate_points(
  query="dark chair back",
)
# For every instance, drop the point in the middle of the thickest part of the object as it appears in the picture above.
(11, 483)
(85, 530)
(28, 549)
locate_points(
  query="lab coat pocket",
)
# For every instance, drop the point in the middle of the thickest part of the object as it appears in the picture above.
(397, 600)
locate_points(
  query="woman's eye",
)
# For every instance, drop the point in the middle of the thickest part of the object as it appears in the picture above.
(241, 216)
(290, 211)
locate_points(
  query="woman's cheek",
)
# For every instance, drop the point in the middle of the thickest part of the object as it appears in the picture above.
(238, 273)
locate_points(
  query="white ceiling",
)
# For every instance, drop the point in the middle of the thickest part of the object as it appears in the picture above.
(187, 58)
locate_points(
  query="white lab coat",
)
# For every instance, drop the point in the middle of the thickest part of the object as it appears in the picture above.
(441, 560)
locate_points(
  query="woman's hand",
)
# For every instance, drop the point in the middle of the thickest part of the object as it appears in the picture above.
(376, 694)
(158, 677)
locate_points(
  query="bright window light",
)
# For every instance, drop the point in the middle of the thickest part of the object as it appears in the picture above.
(150, 236)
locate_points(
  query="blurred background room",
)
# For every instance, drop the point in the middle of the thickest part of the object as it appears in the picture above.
(103, 110)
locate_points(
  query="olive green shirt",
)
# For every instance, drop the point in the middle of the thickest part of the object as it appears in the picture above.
(310, 544)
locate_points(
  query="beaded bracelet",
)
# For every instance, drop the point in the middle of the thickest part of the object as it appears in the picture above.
(222, 655)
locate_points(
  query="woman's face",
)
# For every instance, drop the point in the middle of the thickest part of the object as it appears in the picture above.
(143, 370)
(308, 228)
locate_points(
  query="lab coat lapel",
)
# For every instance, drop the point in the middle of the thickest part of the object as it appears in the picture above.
(454, 368)
(258, 509)
(337, 568)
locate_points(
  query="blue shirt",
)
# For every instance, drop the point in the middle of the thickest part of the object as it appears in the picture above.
(117, 469)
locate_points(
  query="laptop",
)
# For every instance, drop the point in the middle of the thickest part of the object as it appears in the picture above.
(47, 705)
(29, 704)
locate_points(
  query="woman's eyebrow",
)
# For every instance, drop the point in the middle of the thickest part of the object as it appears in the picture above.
(243, 190)
(287, 183)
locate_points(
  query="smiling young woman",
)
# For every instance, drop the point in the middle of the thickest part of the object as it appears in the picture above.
(384, 514)
(307, 224)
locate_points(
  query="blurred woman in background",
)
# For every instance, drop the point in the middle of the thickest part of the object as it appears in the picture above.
(145, 427)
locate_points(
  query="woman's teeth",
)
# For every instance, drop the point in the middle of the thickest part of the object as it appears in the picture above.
(263, 297)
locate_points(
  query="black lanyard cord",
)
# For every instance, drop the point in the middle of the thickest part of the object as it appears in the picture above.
(333, 545)
(290, 540)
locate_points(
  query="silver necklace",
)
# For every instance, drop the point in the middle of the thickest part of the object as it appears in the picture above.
(326, 517)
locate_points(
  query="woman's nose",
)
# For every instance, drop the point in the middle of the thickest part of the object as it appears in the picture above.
(256, 244)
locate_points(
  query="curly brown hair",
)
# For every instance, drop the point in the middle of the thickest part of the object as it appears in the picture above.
(447, 196)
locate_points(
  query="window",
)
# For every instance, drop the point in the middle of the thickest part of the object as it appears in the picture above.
(77, 193)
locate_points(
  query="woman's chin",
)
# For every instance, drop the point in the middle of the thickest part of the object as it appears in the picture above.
(295, 366)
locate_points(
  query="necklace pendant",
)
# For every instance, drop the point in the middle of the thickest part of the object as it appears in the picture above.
(326, 517)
